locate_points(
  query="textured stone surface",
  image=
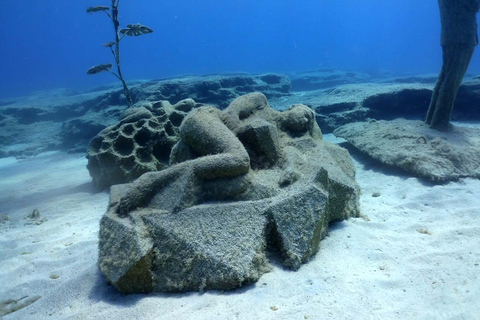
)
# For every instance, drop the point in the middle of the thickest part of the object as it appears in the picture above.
(212, 246)
(300, 224)
(140, 143)
(242, 181)
(417, 149)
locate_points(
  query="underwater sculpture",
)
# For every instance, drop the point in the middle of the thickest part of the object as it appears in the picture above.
(130, 30)
(242, 181)
(459, 38)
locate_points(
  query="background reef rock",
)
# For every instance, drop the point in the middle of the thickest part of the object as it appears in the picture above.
(325, 78)
(139, 143)
(356, 102)
(417, 149)
(60, 119)
(386, 99)
(242, 181)
(216, 90)
(67, 120)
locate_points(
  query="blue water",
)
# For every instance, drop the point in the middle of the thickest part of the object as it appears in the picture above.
(51, 43)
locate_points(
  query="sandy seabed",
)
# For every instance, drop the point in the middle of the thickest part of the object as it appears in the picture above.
(415, 254)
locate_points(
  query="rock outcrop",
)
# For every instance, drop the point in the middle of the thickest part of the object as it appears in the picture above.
(241, 181)
(325, 78)
(357, 102)
(215, 90)
(417, 149)
(398, 97)
(67, 120)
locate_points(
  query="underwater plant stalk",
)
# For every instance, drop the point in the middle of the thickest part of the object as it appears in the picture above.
(116, 54)
(130, 30)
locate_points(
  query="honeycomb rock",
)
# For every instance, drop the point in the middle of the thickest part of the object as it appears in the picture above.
(139, 143)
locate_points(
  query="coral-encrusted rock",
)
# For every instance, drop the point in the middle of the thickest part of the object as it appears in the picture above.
(140, 143)
(242, 181)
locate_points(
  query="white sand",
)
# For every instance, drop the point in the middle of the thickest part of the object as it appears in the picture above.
(418, 256)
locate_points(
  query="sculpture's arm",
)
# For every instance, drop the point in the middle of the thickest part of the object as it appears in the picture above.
(222, 154)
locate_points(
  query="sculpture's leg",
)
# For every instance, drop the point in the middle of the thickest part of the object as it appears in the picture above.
(436, 90)
(455, 64)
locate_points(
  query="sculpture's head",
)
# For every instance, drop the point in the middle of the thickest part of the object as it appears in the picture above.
(298, 120)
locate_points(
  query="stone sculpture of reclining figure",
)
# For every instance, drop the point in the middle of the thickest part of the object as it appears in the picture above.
(215, 153)
(241, 182)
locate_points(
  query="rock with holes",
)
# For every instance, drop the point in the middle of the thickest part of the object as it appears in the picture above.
(139, 143)
(242, 181)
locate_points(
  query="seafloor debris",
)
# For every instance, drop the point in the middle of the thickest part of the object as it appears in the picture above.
(34, 218)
